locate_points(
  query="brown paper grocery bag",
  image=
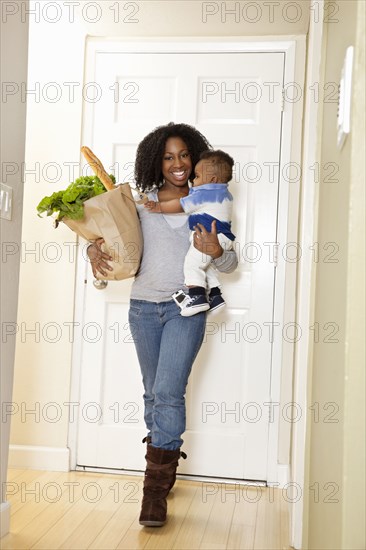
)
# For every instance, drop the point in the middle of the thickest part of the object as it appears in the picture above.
(113, 216)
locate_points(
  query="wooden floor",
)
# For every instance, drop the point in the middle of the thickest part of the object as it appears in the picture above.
(77, 510)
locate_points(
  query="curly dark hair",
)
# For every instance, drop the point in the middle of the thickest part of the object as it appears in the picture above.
(221, 162)
(150, 152)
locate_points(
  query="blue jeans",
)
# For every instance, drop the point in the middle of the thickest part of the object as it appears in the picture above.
(166, 345)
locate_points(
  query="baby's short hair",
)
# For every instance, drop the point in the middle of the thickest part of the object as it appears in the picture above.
(222, 163)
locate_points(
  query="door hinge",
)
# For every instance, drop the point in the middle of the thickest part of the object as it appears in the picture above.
(275, 255)
(283, 100)
(270, 415)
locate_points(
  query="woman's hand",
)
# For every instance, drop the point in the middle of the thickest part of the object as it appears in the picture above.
(206, 242)
(98, 258)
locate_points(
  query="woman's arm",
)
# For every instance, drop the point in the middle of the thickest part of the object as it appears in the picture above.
(228, 262)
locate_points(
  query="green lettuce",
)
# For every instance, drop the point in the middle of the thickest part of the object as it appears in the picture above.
(69, 203)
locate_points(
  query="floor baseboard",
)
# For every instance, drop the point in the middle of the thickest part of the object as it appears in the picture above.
(39, 458)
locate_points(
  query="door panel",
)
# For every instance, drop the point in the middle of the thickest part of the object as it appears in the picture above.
(227, 419)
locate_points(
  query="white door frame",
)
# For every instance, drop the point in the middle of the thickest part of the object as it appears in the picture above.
(308, 230)
(288, 212)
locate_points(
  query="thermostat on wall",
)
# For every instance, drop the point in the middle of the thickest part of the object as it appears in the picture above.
(345, 96)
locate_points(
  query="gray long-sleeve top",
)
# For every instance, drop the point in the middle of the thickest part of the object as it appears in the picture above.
(166, 243)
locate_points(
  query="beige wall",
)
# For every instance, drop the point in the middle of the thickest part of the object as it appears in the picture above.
(14, 53)
(353, 533)
(46, 292)
(336, 453)
(151, 18)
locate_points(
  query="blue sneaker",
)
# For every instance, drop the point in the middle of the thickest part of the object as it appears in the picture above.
(216, 302)
(194, 305)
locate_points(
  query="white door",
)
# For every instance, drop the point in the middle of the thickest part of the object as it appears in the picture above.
(235, 101)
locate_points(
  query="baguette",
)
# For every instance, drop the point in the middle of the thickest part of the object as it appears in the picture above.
(97, 168)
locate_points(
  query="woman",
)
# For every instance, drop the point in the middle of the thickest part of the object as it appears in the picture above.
(166, 342)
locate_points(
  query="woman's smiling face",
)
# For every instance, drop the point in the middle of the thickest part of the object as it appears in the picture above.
(176, 163)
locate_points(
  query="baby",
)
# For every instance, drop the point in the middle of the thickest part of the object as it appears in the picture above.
(208, 199)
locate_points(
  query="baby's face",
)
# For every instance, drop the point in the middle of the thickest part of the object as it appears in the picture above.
(204, 173)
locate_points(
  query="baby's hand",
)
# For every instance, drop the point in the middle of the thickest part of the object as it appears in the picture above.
(152, 206)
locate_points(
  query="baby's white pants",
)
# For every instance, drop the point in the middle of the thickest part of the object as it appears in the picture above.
(198, 267)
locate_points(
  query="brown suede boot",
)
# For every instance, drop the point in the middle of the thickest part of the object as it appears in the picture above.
(161, 466)
(174, 476)
(147, 440)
